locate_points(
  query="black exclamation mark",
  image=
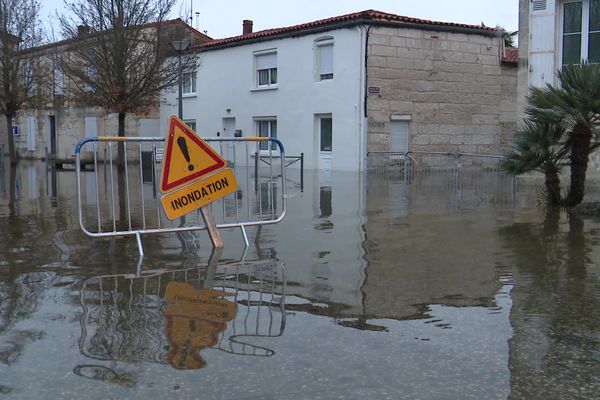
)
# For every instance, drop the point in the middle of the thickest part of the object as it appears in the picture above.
(183, 146)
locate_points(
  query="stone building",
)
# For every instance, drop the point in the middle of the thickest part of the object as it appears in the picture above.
(339, 88)
(53, 129)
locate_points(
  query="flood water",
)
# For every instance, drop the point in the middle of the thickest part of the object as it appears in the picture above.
(371, 288)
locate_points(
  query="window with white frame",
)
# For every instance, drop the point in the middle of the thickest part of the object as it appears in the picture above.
(324, 59)
(326, 129)
(580, 31)
(267, 127)
(188, 83)
(266, 68)
(191, 123)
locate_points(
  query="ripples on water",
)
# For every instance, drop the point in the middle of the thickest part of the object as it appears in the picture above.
(439, 286)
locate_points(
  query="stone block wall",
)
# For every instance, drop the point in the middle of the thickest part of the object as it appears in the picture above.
(452, 86)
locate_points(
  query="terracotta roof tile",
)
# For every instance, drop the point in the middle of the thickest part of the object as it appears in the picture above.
(511, 56)
(367, 15)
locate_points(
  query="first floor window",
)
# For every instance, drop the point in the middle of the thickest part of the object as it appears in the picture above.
(267, 128)
(325, 60)
(326, 133)
(191, 123)
(580, 31)
(266, 69)
(189, 83)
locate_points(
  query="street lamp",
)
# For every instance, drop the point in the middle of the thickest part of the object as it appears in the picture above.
(180, 46)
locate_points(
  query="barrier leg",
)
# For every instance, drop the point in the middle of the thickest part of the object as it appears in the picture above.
(211, 227)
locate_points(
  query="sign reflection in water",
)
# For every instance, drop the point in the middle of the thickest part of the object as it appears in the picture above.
(169, 316)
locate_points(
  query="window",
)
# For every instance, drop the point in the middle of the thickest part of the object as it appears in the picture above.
(267, 128)
(28, 77)
(266, 69)
(580, 31)
(324, 59)
(191, 123)
(59, 81)
(188, 83)
(326, 133)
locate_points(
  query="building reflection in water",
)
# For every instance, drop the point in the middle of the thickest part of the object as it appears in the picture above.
(173, 316)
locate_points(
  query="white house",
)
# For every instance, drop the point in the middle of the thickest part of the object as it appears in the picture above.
(338, 88)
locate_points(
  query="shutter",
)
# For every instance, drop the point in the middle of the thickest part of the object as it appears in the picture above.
(326, 59)
(266, 61)
(31, 133)
(539, 5)
(542, 52)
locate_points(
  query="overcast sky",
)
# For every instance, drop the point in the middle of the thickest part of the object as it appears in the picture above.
(221, 18)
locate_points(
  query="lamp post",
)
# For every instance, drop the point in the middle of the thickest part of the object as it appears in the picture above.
(180, 46)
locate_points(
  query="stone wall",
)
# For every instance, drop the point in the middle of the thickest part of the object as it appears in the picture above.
(452, 86)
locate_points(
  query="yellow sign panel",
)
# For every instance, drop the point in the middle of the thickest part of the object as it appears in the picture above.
(194, 320)
(187, 157)
(198, 194)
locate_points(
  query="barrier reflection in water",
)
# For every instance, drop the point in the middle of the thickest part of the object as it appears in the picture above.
(170, 316)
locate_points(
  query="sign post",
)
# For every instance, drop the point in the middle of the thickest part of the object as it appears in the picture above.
(193, 176)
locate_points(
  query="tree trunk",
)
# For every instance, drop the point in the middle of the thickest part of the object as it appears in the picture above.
(120, 146)
(12, 154)
(580, 151)
(552, 183)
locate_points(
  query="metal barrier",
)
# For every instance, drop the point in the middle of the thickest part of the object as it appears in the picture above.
(123, 198)
(127, 317)
(468, 178)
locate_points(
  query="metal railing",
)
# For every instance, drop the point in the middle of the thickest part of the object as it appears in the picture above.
(461, 178)
(125, 317)
(122, 197)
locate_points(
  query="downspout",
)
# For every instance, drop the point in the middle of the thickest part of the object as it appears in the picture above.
(363, 92)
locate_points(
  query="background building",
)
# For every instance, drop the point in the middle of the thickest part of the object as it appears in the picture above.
(338, 88)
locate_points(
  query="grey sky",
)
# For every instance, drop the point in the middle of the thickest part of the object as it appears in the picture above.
(224, 18)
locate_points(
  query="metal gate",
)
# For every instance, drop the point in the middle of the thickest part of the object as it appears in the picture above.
(118, 187)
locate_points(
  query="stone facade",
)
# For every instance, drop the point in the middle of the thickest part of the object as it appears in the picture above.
(451, 87)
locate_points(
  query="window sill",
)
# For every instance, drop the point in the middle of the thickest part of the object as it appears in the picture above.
(263, 88)
(185, 95)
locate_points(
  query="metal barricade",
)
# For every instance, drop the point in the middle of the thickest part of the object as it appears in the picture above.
(118, 186)
(463, 178)
(127, 317)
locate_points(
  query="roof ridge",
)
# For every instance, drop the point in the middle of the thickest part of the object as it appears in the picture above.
(370, 14)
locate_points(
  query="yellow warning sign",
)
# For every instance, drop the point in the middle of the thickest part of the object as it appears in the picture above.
(187, 157)
(194, 319)
(198, 194)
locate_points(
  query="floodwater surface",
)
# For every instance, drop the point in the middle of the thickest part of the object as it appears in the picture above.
(372, 287)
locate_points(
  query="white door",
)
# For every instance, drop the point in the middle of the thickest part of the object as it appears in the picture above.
(399, 136)
(228, 132)
(31, 133)
(325, 142)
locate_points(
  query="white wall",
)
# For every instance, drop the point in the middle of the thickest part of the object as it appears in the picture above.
(226, 81)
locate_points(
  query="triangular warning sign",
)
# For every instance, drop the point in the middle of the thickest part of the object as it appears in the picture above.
(187, 157)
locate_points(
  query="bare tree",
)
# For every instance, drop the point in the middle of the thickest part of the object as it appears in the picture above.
(20, 29)
(122, 61)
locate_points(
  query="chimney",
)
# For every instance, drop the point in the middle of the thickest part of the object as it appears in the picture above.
(247, 26)
(82, 30)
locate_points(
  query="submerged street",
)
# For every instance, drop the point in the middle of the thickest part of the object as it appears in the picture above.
(437, 287)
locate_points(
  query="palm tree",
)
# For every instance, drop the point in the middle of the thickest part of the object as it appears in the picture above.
(576, 103)
(538, 147)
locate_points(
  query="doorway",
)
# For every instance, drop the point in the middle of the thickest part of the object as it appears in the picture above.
(52, 135)
(228, 147)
